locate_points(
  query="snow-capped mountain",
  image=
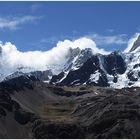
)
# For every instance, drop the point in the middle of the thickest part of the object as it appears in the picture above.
(40, 75)
(98, 70)
(84, 66)
(73, 63)
(117, 70)
(135, 45)
(73, 60)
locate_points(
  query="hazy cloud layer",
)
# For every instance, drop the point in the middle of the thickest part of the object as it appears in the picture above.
(108, 40)
(35, 8)
(13, 23)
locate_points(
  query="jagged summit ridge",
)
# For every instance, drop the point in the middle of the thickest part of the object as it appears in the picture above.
(117, 70)
(136, 44)
(81, 66)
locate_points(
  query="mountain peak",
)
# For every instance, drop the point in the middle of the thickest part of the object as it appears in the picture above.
(136, 44)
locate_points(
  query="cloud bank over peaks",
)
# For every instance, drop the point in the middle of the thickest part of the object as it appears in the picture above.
(82, 43)
(11, 58)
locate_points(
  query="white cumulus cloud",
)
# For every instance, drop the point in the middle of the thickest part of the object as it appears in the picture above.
(11, 58)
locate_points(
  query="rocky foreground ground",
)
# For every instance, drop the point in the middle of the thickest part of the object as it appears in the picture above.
(33, 109)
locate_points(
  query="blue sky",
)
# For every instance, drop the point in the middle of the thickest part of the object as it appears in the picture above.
(40, 25)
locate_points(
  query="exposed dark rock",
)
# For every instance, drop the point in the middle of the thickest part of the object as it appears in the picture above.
(115, 116)
(57, 78)
(17, 83)
(22, 117)
(131, 76)
(47, 111)
(114, 64)
(2, 112)
(52, 130)
(42, 75)
(82, 75)
(136, 66)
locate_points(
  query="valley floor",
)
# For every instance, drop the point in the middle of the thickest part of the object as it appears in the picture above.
(39, 110)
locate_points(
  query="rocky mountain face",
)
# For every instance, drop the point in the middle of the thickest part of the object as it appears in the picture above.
(82, 75)
(30, 108)
(117, 70)
(41, 75)
(94, 71)
(82, 101)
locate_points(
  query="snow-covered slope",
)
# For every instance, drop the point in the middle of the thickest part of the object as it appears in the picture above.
(99, 70)
(79, 65)
(75, 58)
(131, 77)
(56, 59)
(40, 75)
(117, 69)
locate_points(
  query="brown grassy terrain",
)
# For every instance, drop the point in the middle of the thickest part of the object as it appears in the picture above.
(58, 111)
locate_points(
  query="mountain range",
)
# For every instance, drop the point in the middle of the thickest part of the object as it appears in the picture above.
(84, 67)
(82, 101)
